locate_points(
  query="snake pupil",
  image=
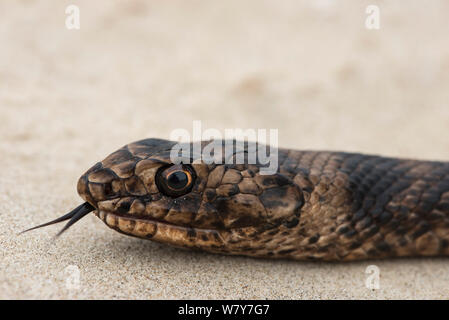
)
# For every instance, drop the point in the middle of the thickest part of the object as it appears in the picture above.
(177, 180)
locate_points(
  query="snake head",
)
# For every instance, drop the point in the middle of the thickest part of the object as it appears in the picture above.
(138, 190)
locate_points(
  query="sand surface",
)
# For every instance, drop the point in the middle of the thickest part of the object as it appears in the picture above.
(139, 69)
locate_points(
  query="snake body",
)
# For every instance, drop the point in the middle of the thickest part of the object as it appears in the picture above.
(319, 205)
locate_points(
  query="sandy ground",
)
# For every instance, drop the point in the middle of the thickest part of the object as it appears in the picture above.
(139, 69)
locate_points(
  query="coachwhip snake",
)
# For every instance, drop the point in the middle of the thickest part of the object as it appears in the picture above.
(331, 206)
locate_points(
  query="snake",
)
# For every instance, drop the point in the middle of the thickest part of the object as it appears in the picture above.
(316, 205)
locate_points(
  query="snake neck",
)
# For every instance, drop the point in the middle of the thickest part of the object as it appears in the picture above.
(363, 207)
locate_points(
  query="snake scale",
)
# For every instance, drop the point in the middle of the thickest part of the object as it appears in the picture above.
(330, 206)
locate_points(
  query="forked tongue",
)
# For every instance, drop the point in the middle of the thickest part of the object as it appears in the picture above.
(74, 215)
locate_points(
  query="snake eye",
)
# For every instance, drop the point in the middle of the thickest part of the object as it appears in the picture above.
(175, 180)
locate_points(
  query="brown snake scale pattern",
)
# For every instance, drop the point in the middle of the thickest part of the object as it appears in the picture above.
(330, 206)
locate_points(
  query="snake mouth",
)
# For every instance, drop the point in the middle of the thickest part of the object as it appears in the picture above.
(163, 232)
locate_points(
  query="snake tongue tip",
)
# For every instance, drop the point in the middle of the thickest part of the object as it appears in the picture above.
(36, 227)
(56, 236)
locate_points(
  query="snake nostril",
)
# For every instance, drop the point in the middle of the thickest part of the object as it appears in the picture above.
(124, 207)
(101, 183)
(108, 190)
(101, 191)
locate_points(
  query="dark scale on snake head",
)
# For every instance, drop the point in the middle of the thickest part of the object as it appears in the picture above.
(329, 206)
